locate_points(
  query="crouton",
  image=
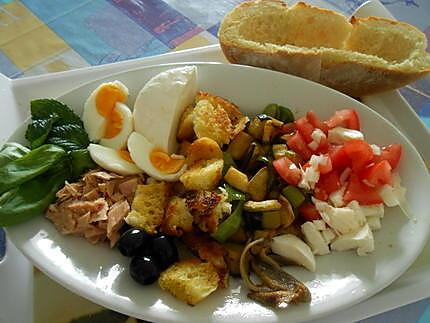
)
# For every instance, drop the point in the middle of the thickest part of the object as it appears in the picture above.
(147, 209)
(185, 128)
(205, 208)
(212, 122)
(238, 120)
(211, 251)
(190, 280)
(203, 175)
(203, 149)
(177, 218)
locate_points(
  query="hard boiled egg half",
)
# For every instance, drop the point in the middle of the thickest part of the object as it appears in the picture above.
(106, 117)
(109, 122)
(157, 110)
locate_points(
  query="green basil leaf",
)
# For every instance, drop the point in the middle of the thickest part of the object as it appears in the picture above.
(11, 151)
(81, 161)
(33, 197)
(23, 169)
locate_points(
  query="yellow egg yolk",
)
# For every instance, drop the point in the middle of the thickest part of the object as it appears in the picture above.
(165, 163)
(106, 99)
(124, 154)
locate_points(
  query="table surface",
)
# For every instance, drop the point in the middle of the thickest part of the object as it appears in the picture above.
(46, 36)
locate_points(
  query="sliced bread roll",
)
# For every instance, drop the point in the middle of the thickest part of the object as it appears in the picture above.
(359, 57)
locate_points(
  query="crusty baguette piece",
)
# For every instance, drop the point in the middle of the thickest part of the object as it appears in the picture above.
(359, 57)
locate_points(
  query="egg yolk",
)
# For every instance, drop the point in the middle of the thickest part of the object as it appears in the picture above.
(165, 163)
(124, 154)
(106, 99)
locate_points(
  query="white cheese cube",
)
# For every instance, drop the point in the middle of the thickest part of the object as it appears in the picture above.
(319, 225)
(328, 235)
(336, 197)
(314, 239)
(362, 240)
(318, 135)
(374, 222)
(341, 135)
(376, 210)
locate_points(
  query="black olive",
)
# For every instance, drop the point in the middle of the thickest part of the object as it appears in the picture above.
(132, 241)
(253, 220)
(165, 251)
(144, 270)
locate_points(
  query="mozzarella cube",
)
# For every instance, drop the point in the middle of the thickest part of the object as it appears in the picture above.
(328, 235)
(374, 222)
(314, 239)
(362, 240)
(336, 197)
(339, 135)
(319, 225)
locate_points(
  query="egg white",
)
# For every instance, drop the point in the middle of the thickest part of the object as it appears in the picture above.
(140, 150)
(94, 122)
(120, 140)
(160, 104)
(109, 159)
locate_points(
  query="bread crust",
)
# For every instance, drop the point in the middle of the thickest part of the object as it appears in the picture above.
(349, 68)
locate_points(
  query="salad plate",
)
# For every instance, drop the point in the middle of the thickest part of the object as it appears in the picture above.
(341, 279)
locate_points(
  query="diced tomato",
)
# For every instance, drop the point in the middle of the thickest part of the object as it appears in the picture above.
(288, 171)
(390, 153)
(347, 118)
(323, 146)
(305, 129)
(320, 194)
(298, 145)
(326, 167)
(309, 211)
(316, 122)
(360, 192)
(329, 182)
(377, 174)
(359, 152)
(339, 158)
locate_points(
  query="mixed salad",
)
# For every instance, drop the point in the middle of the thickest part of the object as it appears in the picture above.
(185, 167)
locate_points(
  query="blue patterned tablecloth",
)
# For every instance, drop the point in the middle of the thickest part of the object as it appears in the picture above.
(45, 36)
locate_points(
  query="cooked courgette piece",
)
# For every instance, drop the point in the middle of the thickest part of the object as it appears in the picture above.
(262, 206)
(237, 179)
(257, 187)
(255, 128)
(240, 145)
(268, 131)
(279, 150)
(250, 160)
(271, 220)
(294, 195)
(253, 220)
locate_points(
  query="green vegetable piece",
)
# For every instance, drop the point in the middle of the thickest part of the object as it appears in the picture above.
(285, 114)
(234, 194)
(229, 227)
(271, 220)
(272, 110)
(55, 123)
(294, 195)
(11, 151)
(228, 162)
(81, 161)
(29, 166)
(33, 197)
(38, 131)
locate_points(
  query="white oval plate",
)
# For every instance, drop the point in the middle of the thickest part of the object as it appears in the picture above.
(341, 280)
